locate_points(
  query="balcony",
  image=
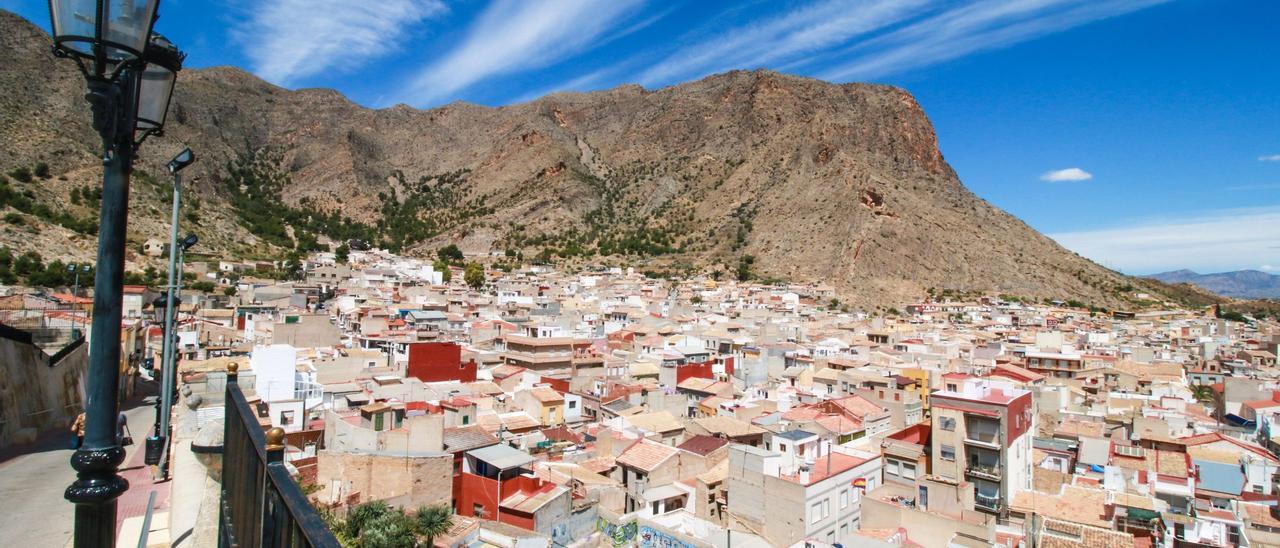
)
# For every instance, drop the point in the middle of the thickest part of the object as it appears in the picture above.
(983, 470)
(982, 432)
(985, 502)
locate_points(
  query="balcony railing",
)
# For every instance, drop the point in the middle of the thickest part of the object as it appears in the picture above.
(988, 471)
(261, 505)
(986, 502)
(983, 437)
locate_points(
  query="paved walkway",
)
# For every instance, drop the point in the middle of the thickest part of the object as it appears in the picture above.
(32, 483)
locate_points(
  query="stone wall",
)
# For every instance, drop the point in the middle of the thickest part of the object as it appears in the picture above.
(415, 480)
(35, 396)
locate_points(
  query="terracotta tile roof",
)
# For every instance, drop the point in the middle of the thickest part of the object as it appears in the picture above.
(1079, 505)
(545, 394)
(703, 444)
(827, 466)
(646, 455)
(727, 426)
(1061, 534)
(465, 438)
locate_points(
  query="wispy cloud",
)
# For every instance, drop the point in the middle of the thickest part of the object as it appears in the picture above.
(969, 29)
(1216, 241)
(1069, 174)
(1269, 158)
(782, 38)
(288, 40)
(516, 35)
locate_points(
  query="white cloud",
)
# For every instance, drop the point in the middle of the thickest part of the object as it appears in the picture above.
(807, 29)
(1069, 174)
(1269, 158)
(515, 35)
(288, 40)
(1218, 241)
(1267, 268)
(971, 28)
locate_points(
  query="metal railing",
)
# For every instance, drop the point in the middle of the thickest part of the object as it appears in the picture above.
(986, 501)
(261, 505)
(991, 471)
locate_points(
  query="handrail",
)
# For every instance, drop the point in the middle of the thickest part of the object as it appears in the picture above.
(262, 505)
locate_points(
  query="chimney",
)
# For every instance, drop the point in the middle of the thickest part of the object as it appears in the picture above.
(804, 474)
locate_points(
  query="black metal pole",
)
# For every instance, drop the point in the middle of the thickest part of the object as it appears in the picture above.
(98, 482)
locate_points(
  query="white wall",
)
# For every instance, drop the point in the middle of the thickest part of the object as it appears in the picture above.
(275, 368)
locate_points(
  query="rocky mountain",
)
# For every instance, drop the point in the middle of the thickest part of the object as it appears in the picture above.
(758, 173)
(1241, 284)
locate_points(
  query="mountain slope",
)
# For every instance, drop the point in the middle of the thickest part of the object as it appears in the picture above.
(791, 178)
(1243, 284)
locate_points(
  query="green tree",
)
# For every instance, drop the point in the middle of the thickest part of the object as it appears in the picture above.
(42, 170)
(21, 174)
(27, 264)
(362, 516)
(342, 253)
(230, 291)
(450, 254)
(474, 276)
(433, 521)
(443, 268)
(390, 530)
(744, 267)
(203, 286)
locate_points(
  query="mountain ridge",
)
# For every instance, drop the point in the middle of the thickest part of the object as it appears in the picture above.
(753, 172)
(1242, 284)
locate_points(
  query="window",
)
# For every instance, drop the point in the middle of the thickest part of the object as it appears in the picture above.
(844, 499)
(947, 423)
(891, 467)
(286, 418)
(897, 396)
(826, 508)
(951, 387)
(908, 470)
(573, 404)
(948, 452)
(844, 530)
(815, 513)
(1257, 489)
(831, 537)
(465, 419)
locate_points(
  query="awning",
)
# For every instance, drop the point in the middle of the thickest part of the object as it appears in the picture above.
(664, 492)
(502, 456)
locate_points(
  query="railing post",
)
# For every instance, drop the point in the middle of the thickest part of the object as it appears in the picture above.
(229, 414)
(274, 518)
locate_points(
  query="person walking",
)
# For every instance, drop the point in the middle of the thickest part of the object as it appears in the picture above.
(123, 436)
(77, 428)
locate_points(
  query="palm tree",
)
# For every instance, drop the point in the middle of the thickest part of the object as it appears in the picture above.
(433, 521)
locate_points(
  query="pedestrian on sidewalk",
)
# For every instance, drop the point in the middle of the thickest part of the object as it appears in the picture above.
(77, 428)
(122, 428)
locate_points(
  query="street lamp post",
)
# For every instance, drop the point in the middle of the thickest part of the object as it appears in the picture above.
(112, 44)
(75, 291)
(169, 367)
(159, 439)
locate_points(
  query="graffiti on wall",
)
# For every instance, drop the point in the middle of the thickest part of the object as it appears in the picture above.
(653, 538)
(620, 534)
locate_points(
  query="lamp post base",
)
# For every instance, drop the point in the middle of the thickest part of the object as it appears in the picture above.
(94, 493)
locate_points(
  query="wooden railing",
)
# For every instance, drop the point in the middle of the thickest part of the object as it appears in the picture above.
(261, 505)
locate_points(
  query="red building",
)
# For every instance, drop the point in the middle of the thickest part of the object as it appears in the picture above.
(439, 361)
(710, 369)
(496, 483)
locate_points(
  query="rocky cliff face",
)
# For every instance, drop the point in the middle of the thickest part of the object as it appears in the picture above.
(813, 181)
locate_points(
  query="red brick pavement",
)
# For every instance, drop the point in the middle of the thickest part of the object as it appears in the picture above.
(134, 501)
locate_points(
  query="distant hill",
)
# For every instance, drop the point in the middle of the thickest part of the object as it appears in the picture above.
(752, 174)
(1241, 284)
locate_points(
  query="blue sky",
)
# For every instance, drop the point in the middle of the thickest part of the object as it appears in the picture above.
(1144, 134)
